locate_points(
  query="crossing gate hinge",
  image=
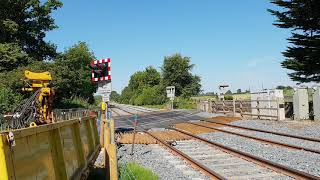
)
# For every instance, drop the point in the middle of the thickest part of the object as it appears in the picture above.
(11, 140)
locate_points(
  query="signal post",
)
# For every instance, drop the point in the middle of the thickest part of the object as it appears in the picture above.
(101, 74)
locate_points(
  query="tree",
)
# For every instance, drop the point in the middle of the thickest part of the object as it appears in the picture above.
(283, 87)
(229, 92)
(176, 71)
(24, 24)
(8, 99)
(114, 96)
(238, 91)
(144, 88)
(11, 57)
(71, 74)
(303, 56)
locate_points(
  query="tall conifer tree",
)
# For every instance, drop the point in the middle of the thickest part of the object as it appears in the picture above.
(302, 17)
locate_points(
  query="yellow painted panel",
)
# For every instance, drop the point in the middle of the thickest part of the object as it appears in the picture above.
(84, 138)
(32, 158)
(3, 164)
(93, 128)
(35, 153)
(69, 150)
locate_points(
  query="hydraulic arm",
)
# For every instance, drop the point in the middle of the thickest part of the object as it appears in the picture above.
(38, 107)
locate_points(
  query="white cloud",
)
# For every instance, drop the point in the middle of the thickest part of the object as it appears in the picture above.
(255, 62)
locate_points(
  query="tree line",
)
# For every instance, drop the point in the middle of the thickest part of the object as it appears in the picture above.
(148, 87)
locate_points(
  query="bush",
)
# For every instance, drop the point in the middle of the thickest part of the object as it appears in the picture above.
(228, 97)
(185, 103)
(135, 171)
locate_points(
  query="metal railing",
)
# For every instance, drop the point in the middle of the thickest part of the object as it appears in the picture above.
(68, 114)
(57, 115)
(267, 109)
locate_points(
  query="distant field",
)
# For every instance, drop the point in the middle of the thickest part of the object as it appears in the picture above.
(203, 97)
(242, 96)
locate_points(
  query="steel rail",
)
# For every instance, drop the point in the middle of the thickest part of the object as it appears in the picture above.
(259, 139)
(193, 162)
(266, 131)
(260, 161)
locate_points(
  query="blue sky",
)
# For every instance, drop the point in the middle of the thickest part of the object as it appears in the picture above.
(230, 42)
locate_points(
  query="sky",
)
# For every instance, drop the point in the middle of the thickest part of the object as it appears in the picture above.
(230, 42)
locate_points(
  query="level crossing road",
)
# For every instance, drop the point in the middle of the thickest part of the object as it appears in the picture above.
(151, 120)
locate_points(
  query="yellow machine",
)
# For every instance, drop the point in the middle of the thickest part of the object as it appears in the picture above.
(39, 83)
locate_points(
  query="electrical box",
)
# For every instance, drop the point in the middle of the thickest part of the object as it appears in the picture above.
(171, 92)
(316, 104)
(270, 102)
(300, 104)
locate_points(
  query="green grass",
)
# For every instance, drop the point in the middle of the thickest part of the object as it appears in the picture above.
(135, 171)
(158, 106)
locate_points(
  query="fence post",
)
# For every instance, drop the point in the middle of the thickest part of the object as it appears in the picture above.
(234, 107)
(258, 108)
(240, 108)
(223, 106)
(278, 108)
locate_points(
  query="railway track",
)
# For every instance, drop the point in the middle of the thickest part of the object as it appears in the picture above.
(221, 162)
(265, 131)
(260, 139)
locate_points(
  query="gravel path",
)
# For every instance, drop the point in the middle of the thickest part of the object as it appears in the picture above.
(160, 161)
(298, 159)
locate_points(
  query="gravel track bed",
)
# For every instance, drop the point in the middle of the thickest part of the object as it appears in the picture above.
(309, 130)
(206, 154)
(277, 138)
(297, 159)
(160, 161)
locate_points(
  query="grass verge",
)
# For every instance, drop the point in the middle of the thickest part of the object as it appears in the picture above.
(135, 171)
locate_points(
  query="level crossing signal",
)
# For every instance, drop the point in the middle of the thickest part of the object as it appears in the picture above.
(101, 70)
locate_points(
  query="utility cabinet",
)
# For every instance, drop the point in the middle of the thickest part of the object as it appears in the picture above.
(300, 104)
(269, 103)
(316, 104)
